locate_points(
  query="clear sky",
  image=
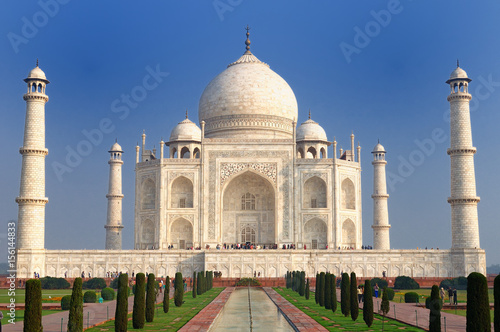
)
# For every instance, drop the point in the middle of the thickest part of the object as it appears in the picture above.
(377, 68)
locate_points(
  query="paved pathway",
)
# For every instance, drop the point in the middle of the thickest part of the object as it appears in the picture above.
(298, 319)
(204, 319)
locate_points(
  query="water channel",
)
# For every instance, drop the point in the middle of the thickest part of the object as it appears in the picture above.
(250, 309)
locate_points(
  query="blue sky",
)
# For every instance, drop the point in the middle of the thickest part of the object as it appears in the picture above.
(385, 82)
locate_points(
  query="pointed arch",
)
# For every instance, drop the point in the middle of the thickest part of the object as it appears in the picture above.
(311, 153)
(348, 234)
(148, 194)
(300, 153)
(185, 154)
(181, 196)
(314, 195)
(196, 153)
(181, 233)
(348, 201)
(315, 234)
(248, 200)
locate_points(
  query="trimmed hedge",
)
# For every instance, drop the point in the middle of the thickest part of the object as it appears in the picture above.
(166, 295)
(404, 282)
(328, 291)
(345, 303)
(496, 295)
(368, 304)
(390, 293)
(193, 291)
(380, 282)
(65, 302)
(150, 298)
(94, 283)
(75, 319)
(179, 290)
(321, 295)
(121, 311)
(354, 297)
(89, 297)
(54, 283)
(411, 297)
(138, 315)
(459, 283)
(307, 293)
(478, 306)
(333, 287)
(33, 302)
(435, 305)
(108, 294)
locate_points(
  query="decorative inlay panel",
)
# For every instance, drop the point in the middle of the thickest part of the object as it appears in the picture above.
(228, 169)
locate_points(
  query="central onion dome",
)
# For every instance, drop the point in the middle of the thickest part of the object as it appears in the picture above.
(246, 100)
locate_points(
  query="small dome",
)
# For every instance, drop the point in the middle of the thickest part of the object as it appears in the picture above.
(458, 73)
(379, 148)
(116, 148)
(186, 130)
(37, 74)
(311, 131)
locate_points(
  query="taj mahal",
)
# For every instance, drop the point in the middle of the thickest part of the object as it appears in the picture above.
(248, 174)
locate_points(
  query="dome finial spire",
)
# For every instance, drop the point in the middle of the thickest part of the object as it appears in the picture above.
(247, 42)
(37, 62)
(309, 114)
(458, 63)
(186, 113)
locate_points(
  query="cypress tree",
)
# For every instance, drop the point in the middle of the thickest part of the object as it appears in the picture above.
(293, 281)
(496, 312)
(307, 294)
(138, 315)
(199, 281)
(179, 290)
(33, 309)
(121, 310)
(478, 307)
(316, 289)
(354, 297)
(207, 281)
(166, 295)
(328, 291)
(333, 286)
(321, 295)
(345, 305)
(384, 306)
(302, 287)
(150, 298)
(194, 285)
(368, 304)
(435, 310)
(75, 319)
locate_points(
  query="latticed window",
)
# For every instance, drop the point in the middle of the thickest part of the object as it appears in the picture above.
(182, 203)
(248, 235)
(248, 202)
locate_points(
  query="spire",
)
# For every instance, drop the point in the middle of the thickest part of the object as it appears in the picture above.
(458, 63)
(247, 42)
(37, 62)
(309, 114)
(186, 113)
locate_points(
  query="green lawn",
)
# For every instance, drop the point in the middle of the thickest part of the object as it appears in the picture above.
(176, 316)
(5, 298)
(464, 313)
(334, 321)
(461, 295)
(20, 315)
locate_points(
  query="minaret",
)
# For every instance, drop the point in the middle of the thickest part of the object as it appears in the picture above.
(114, 220)
(380, 225)
(463, 199)
(32, 200)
